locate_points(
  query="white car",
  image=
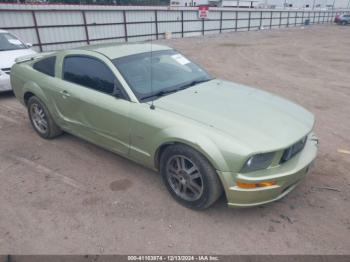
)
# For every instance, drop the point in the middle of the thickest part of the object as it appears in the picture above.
(10, 49)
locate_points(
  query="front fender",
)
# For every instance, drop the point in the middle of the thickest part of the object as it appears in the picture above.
(193, 138)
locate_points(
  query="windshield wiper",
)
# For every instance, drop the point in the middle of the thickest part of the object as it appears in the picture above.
(160, 93)
(165, 92)
(194, 82)
(10, 49)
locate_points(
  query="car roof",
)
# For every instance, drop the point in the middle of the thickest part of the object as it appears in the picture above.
(3, 31)
(115, 50)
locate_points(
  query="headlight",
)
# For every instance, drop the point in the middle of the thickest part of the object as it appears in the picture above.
(259, 161)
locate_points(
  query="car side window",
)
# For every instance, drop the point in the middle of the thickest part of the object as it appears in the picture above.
(89, 72)
(46, 66)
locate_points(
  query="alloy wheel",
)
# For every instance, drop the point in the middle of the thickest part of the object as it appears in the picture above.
(184, 178)
(39, 118)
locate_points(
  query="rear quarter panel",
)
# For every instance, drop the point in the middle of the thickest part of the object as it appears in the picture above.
(25, 79)
(17, 81)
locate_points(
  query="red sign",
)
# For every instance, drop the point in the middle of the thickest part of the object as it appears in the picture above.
(203, 11)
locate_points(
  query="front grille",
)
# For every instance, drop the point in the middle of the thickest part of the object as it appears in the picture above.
(293, 150)
(6, 70)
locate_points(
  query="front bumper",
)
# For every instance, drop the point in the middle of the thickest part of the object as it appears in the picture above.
(287, 176)
(5, 84)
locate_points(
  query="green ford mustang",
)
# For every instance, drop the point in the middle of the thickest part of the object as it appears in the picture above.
(152, 105)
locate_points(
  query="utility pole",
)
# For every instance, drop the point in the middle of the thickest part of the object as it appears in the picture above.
(313, 4)
(348, 4)
(333, 4)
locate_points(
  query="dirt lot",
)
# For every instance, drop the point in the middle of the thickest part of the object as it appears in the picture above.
(69, 196)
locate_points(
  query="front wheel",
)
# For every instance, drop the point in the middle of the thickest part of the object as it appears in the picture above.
(41, 119)
(189, 177)
(343, 22)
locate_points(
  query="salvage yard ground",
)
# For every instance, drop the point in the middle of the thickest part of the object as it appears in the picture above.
(67, 196)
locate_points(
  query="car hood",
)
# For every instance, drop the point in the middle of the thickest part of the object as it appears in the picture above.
(260, 120)
(7, 58)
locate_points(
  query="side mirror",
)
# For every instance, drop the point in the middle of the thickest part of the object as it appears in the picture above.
(28, 45)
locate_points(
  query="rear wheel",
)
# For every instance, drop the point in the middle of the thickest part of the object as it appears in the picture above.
(344, 22)
(189, 177)
(41, 119)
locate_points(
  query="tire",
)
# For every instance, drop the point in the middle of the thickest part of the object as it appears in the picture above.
(41, 119)
(177, 167)
(344, 23)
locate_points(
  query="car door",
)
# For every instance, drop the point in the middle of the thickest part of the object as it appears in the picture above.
(86, 105)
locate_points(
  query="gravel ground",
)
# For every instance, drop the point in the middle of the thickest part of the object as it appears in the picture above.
(67, 196)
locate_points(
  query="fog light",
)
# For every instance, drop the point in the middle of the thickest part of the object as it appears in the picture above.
(254, 185)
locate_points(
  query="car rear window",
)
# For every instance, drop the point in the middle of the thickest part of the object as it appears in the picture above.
(46, 66)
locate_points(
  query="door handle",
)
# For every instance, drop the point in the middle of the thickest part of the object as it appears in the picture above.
(65, 94)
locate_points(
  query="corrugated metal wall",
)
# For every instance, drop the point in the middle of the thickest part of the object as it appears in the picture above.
(51, 27)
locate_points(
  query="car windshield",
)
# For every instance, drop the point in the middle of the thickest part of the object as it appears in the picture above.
(10, 42)
(154, 74)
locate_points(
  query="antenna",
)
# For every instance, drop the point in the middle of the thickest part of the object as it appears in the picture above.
(151, 63)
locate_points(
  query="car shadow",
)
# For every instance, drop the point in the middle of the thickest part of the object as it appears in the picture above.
(6, 94)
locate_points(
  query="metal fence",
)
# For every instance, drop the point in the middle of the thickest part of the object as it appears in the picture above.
(51, 27)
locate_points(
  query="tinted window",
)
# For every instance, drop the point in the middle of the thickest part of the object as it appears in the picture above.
(46, 66)
(88, 72)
